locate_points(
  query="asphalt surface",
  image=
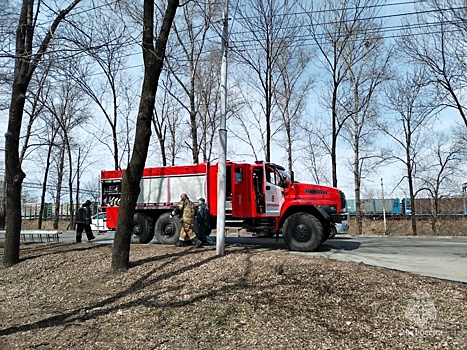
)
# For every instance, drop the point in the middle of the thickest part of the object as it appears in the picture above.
(438, 257)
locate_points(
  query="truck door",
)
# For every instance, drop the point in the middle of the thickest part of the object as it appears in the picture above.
(241, 196)
(274, 192)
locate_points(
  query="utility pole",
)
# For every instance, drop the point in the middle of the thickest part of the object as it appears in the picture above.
(222, 176)
(384, 209)
(2, 194)
(464, 191)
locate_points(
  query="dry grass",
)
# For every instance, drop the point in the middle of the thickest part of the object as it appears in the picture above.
(451, 226)
(46, 225)
(63, 296)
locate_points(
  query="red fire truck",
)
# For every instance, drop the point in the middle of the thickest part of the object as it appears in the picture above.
(261, 197)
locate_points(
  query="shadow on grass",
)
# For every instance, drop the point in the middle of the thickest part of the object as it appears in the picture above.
(153, 278)
(50, 249)
(149, 279)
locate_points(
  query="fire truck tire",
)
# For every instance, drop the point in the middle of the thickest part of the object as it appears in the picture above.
(333, 232)
(167, 229)
(143, 231)
(303, 232)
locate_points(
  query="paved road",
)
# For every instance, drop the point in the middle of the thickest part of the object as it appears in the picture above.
(440, 257)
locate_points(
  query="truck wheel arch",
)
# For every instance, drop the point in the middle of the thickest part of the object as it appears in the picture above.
(303, 232)
(167, 230)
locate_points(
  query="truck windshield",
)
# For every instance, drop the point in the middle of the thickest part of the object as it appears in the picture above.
(280, 171)
(285, 175)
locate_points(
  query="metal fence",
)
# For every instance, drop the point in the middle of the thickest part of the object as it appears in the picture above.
(32, 211)
(421, 206)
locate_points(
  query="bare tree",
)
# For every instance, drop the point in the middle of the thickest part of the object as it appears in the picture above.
(461, 135)
(166, 119)
(336, 27)
(438, 170)
(25, 64)
(209, 101)
(53, 128)
(60, 167)
(92, 189)
(38, 89)
(153, 56)
(107, 41)
(270, 32)
(367, 62)
(184, 60)
(9, 20)
(38, 133)
(414, 104)
(248, 127)
(439, 42)
(291, 95)
(81, 162)
(69, 109)
(315, 156)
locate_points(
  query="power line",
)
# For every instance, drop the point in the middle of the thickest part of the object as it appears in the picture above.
(250, 43)
(38, 186)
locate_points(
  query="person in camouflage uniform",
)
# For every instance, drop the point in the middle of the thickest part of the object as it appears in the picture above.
(186, 211)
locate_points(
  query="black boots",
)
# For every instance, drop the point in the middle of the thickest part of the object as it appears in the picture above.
(195, 241)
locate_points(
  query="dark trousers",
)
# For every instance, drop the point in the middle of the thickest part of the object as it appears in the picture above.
(79, 232)
(203, 233)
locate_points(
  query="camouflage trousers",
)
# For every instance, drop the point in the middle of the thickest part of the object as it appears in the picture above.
(186, 231)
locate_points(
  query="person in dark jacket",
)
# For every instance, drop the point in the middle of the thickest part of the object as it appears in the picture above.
(203, 224)
(83, 222)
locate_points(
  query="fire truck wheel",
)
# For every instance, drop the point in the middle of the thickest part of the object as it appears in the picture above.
(333, 231)
(142, 229)
(167, 229)
(302, 232)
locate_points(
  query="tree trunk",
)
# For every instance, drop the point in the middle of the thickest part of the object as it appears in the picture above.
(78, 185)
(153, 61)
(412, 196)
(25, 64)
(44, 186)
(193, 123)
(14, 175)
(358, 183)
(58, 197)
(70, 178)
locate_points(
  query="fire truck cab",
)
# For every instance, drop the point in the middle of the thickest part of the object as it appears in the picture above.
(262, 198)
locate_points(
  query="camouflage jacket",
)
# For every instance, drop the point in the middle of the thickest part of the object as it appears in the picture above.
(186, 210)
